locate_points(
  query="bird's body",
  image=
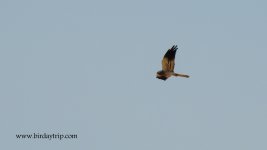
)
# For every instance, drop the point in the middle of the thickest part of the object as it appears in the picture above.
(168, 63)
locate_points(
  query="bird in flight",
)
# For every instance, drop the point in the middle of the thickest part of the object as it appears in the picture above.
(168, 63)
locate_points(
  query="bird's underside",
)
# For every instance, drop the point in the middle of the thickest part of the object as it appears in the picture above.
(168, 63)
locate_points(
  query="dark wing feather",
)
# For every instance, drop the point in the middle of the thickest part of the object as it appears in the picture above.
(168, 60)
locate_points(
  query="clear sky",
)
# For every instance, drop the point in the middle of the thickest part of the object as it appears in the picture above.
(88, 68)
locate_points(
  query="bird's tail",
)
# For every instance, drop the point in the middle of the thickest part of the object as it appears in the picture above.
(180, 75)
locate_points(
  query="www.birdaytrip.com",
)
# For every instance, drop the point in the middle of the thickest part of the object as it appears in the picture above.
(46, 136)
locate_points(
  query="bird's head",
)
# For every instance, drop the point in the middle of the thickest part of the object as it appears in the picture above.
(161, 75)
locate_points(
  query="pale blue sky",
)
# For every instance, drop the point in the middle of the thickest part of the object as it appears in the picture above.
(88, 68)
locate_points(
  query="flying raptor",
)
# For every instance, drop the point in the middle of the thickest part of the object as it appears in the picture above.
(168, 63)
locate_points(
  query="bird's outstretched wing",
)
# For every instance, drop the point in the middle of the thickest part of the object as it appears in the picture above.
(168, 60)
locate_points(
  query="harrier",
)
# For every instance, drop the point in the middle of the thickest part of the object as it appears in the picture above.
(168, 63)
